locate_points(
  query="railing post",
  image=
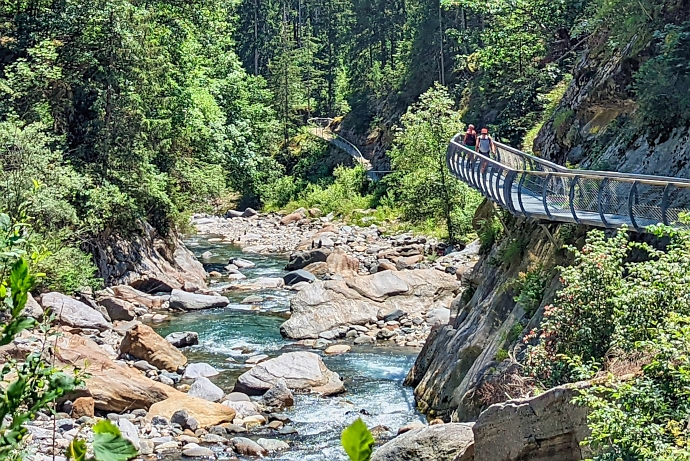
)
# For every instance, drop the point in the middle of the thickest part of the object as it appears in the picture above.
(544, 193)
(522, 205)
(664, 204)
(497, 186)
(508, 190)
(632, 201)
(571, 198)
(600, 201)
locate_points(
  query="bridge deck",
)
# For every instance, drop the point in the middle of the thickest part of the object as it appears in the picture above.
(531, 187)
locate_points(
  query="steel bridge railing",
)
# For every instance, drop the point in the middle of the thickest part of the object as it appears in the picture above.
(319, 127)
(535, 188)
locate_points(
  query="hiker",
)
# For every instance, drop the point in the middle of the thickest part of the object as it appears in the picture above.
(470, 139)
(485, 144)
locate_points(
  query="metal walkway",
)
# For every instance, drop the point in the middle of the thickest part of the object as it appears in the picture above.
(535, 188)
(320, 127)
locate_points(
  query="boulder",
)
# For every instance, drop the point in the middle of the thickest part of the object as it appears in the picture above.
(408, 262)
(337, 349)
(144, 343)
(237, 397)
(242, 409)
(318, 269)
(279, 395)
(181, 339)
(252, 299)
(127, 293)
(205, 389)
(69, 311)
(548, 426)
(248, 447)
(118, 309)
(249, 212)
(32, 308)
(296, 216)
(83, 406)
(191, 301)
(113, 387)
(446, 442)
(437, 317)
(204, 412)
(302, 259)
(272, 445)
(129, 431)
(302, 371)
(197, 370)
(242, 263)
(269, 282)
(325, 305)
(297, 276)
(342, 264)
(197, 451)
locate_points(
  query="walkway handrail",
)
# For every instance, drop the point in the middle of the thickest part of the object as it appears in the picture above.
(322, 123)
(532, 187)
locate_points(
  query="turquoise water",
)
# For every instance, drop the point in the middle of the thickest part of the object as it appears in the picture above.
(373, 376)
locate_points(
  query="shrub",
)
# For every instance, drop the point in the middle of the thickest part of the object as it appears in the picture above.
(529, 287)
(68, 269)
(489, 232)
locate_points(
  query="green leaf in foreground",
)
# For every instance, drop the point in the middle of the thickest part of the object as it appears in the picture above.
(357, 441)
(77, 450)
(109, 445)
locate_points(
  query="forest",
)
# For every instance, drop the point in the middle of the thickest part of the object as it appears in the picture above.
(120, 114)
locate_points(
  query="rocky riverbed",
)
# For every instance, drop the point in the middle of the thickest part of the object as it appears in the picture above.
(201, 368)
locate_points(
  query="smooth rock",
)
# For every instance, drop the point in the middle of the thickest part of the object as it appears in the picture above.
(204, 412)
(318, 268)
(181, 339)
(128, 293)
(129, 431)
(279, 395)
(144, 343)
(253, 299)
(69, 311)
(248, 447)
(118, 309)
(198, 370)
(340, 263)
(242, 263)
(198, 452)
(242, 409)
(205, 389)
(365, 339)
(237, 397)
(191, 301)
(302, 371)
(437, 317)
(337, 349)
(303, 259)
(256, 359)
(83, 406)
(272, 445)
(447, 442)
(508, 431)
(301, 275)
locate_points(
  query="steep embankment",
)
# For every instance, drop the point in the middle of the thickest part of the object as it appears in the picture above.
(466, 365)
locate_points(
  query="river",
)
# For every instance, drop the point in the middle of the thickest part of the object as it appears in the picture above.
(373, 376)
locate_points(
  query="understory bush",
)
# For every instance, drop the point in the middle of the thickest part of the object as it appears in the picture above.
(627, 323)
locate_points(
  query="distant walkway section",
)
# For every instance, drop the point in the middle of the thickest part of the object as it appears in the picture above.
(532, 187)
(320, 127)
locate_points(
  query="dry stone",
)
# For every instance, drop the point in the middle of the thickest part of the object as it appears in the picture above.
(144, 343)
(543, 428)
(69, 311)
(446, 442)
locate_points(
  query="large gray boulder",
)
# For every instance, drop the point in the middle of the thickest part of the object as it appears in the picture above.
(119, 309)
(279, 396)
(69, 311)
(302, 371)
(181, 339)
(191, 301)
(205, 389)
(300, 275)
(442, 442)
(302, 259)
(323, 306)
(542, 428)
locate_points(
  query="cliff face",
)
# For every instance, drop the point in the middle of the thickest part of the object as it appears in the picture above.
(459, 373)
(450, 373)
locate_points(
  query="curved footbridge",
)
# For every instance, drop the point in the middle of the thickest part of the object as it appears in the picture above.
(531, 187)
(320, 127)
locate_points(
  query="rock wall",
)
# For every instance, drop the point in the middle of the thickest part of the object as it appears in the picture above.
(460, 356)
(148, 262)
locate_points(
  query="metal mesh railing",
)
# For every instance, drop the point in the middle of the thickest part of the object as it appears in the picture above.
(532, 187)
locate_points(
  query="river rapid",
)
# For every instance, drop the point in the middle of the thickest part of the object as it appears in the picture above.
(372, 375)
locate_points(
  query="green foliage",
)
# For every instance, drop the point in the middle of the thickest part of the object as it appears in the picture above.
(108, 445)
(357, 441)
(645, 417)
(426, 189)
(501, 355)
(33, 384)
(529, 288)
(607, 306)
(512, 249)
(68, 269)
(489, 232)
